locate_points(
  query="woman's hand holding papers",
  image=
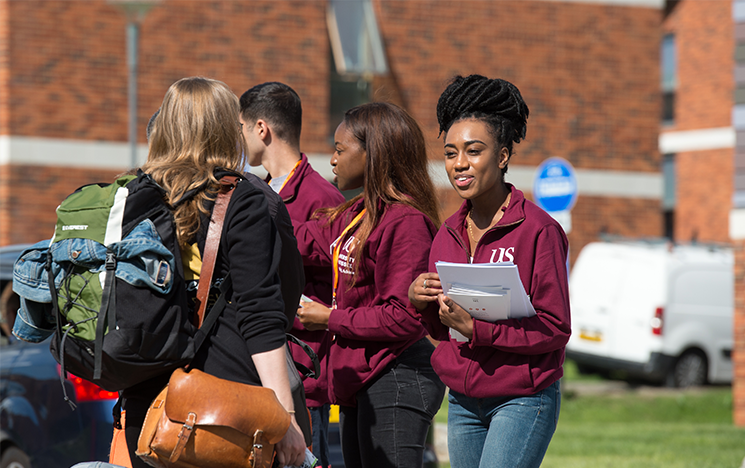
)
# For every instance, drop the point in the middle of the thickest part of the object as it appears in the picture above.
(455, 317)
(425, 289)
(314, 316)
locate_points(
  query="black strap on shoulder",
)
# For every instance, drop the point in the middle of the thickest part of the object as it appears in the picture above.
(307, 373)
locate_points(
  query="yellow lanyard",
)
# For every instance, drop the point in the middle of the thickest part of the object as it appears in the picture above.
(289, 175)
(337, 250)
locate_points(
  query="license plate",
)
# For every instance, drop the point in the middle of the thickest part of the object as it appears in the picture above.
(591, 335)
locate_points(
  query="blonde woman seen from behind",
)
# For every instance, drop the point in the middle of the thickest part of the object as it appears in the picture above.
(196, 139)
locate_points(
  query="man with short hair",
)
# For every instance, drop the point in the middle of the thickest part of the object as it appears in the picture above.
(271, 115)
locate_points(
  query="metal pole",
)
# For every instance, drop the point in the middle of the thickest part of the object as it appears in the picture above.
(133, 33)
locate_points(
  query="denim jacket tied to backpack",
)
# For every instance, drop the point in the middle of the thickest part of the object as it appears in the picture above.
(142, 260)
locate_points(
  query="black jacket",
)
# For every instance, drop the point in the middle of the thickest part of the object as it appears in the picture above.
(258, 247)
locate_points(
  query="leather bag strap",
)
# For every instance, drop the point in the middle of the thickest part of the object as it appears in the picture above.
(212, 244)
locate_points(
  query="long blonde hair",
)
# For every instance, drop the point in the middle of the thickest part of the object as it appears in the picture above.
(196, 132)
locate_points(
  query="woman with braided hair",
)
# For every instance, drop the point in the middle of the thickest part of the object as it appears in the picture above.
(504, 381)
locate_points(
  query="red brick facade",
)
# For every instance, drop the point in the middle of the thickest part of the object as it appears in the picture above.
(704, 195)
(589, 73)
(4, 69)
(705, 42)
(705, 38)
(30, 207)
(738, 355)
(68, 65)
(65, 74)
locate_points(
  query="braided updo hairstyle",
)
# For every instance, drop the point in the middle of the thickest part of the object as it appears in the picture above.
(495, 101)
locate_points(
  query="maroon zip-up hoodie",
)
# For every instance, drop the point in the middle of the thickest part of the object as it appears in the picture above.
(516, 356)
(304, 193)
(374, 322)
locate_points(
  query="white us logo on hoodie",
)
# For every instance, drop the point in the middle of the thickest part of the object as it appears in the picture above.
(505, 255)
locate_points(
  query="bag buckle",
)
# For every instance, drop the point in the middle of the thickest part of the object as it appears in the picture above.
(255, 459)
(183, 437)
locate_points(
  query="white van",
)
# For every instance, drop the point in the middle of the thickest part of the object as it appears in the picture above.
(653, 310)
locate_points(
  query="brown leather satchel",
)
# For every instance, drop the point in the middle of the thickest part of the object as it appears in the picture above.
(202, 421)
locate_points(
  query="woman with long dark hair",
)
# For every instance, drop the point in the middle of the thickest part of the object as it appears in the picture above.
(504, 381)
(376, 244)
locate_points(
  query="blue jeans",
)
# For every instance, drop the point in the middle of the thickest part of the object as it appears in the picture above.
(319, 419)
(502, 432)
(388, 427)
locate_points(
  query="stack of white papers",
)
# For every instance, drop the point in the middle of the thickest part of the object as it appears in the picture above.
(484, 303)
(487, 291)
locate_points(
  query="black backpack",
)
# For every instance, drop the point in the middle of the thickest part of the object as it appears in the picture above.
(114, 328)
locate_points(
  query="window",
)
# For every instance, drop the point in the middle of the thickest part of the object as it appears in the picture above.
(357, 55)
(346, 92)
(355, 39)
(669, 77)
(668, 195)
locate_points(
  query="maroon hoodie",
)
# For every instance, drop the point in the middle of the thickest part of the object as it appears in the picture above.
(374, 322)
(516, 356)
(303, 193)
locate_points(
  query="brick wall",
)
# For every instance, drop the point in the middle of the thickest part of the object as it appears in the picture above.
(704, 98)
(4, 69)
(5, 219)
(28, 215)
(589, 73)
(705, 45)
(65, 73)
(704, 195)
(68, 60)
(625, 217)
(738, 384)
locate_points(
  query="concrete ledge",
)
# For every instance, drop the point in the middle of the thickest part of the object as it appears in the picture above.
(697, 140)
(657, 4)
(590, 182)
(115, 155)
(737, 224)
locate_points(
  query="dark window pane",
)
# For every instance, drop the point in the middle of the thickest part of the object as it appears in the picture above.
(669, 224)
(668, 107)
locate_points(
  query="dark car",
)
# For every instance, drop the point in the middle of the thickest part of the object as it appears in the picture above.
(38, 428)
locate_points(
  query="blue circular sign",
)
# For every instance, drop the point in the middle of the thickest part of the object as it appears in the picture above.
(555, 185)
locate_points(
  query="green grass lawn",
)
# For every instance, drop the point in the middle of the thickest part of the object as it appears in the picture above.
(691, 429)
(675, 429)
